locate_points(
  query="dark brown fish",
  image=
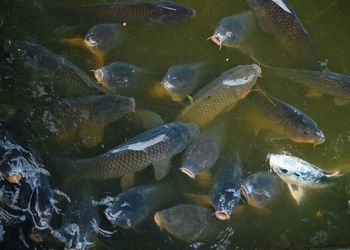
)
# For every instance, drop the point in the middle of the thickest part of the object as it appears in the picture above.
(153, 12)
(280, 19)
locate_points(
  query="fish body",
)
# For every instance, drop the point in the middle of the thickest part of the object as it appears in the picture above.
(279, 18)
(181, 80)
(202, 153)
(155, 146)
(281, 119)
(152, 12)
(121, 78)
(220, 94)
(65, 78)
(130, 208)
(80, 223)
(102, 38)
(299, 174)
(324, 82)
(226, 191)
(81, 118)
(261, 189)
(234, 31)
(189, 223)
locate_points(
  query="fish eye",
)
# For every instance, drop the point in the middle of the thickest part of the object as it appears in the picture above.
(284, 171)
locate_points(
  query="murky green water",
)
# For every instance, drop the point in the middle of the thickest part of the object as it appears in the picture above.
(324, 219)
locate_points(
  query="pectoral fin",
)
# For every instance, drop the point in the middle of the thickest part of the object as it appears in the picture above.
(314, 93)
(261, 211)
(204, 179)
(296, 192)
(161, 168)
(127, 181)
(341, 101)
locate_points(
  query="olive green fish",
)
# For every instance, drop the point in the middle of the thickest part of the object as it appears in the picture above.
(319, 82)
(155, 146)
(280, 119)
(220, 95)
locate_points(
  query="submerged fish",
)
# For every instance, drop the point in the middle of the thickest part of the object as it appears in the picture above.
(226, 191)
(203, 151)
(121, 78)
(181, 80)
(190, 223)
(153, 12)
(281, 119)
(65, 78)
(80, 118)
(234, 31)
(280, 19)
(319, 82)
(220, 94)
(261, 189)
(155, 146)
(80, 222)
(100, 40)
(132, 207)
(299, 174)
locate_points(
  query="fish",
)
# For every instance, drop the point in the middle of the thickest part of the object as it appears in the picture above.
(299, 174)
(318, 81)
(260, 190)
(203, 151)
(235, 31)
(121, 78)
(280, 119)
(133, 206)
(58, 76)
(26, 191)
(79, 119)
(155, 146)
(100, 40)
(279, 18)
(190, 223)
(182, 80)
(226, 191)
(144, 12)
(79, 226)
(220, 95)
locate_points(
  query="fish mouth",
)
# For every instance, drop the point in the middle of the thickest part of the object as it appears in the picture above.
(244, 193)
(13, 178)
(222, 215)
(216, 40)
(133, 105)
(187, 172)
(99, 75)
(157, 220)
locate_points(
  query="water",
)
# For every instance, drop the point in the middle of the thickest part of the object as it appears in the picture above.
(322, 221)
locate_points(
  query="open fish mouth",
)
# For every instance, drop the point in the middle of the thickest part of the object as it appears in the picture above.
(216, 40)
(222, 215)
(187, 172)
(157, 220)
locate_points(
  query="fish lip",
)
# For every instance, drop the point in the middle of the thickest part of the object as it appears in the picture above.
(13, 178)
(222, 215)
(188, 172)
(99, 75)
(244, 193)
(156, 219)
(133, 105)
(216, 40)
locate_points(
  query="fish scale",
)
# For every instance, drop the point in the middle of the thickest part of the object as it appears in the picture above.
(135, 154)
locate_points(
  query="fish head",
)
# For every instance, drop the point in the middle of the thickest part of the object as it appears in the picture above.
(20, 50)
(179, 80)
(304, 130)
(72, 237)
(117, 76)
(101, 38)
(173, 13)
(286, 167)
(241, 78)
(128, 211)
(41, 207)
(225, 203)
(230, 32)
